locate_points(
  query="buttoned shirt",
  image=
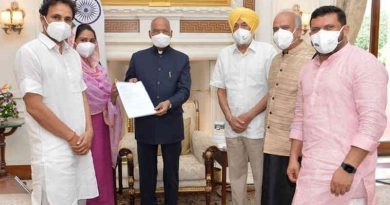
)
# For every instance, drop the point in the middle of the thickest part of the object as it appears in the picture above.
(166, 76)
(244, 76)
(283, 86)
(41, 69)
(341, 103)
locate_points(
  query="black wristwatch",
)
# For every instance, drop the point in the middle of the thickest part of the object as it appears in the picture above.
(348, 168)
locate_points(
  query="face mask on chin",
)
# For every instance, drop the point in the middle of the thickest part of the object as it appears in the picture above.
(283, 38)
(161, 40)
(326, 42)
(85, 49)
(58, 30)
(242, 37)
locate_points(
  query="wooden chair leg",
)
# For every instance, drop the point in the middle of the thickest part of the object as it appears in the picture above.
(130, 171)
(120, 184)
(208, 198)
(209, 166)
(132, 198)
(114, 179)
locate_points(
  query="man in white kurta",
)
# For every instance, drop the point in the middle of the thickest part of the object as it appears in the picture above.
(49, 75)
(240, 76)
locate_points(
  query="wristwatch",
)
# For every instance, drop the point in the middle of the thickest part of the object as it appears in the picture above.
(170, 106)
(348, 168)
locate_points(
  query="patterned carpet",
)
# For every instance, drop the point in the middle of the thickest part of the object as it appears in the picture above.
(383, 197)
(189, 199)
(382, 192)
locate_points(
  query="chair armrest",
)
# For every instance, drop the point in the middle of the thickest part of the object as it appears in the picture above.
(200, 141)
(128, 142)
(128, 149)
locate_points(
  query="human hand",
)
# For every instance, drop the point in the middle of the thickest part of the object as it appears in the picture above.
(293, 170)
(73, 139)
(133, 80)
(237, 124)
(246, 118)
(114, 93)
(341, 182)
(162, 108)
(84, 143)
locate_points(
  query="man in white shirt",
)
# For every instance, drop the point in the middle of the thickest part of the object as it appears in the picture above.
(58, 121)
(240, 75)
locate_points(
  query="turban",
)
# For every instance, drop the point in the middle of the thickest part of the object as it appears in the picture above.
(245, 14)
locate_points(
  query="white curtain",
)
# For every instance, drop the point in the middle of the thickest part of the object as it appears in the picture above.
(355, 12)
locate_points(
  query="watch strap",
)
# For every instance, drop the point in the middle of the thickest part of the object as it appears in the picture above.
(348, 168)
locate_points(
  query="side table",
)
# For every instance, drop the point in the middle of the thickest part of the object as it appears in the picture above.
(7, 128)
(9, 183)
(220, 156)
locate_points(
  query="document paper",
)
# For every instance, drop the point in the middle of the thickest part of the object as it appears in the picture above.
(135, 99)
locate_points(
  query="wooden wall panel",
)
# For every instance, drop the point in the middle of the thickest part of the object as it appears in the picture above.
(204, 26)
(121, 26)
(250, 4)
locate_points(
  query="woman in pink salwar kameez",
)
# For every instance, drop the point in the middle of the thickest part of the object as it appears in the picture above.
(105, 111)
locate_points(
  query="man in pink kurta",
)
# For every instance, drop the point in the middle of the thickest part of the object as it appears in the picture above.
(339, 118)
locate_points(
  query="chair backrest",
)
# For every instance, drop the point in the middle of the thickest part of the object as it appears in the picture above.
(190, 108)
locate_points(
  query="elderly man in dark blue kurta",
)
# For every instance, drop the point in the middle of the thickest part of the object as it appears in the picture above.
(165, 73)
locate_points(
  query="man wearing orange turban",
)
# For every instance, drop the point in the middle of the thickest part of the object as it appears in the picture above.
(241, 75)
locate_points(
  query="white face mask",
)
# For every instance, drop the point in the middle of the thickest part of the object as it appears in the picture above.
(85, 49)
(58, 30)
(325, 41)
(161, 40)
(283, 38)
(242, 36)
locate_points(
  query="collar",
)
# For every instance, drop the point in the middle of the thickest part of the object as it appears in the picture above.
(251, 48)
(334, 56)
(165, 50)
(49, 43)
(299, 48)
(302, 45)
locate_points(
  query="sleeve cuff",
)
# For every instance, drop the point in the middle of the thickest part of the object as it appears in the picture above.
(217, 84)
(28, 85)
(173, 101)
(364, 142)
(296, 134)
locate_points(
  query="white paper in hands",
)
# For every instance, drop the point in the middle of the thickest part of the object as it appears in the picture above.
(135, 99)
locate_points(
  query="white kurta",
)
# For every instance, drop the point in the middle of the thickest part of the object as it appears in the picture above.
(244, 76)
(59, 174)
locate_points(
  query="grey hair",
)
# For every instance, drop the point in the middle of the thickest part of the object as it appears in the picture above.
(297, 18)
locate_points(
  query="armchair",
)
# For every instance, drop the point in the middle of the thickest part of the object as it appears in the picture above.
(196, 160)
